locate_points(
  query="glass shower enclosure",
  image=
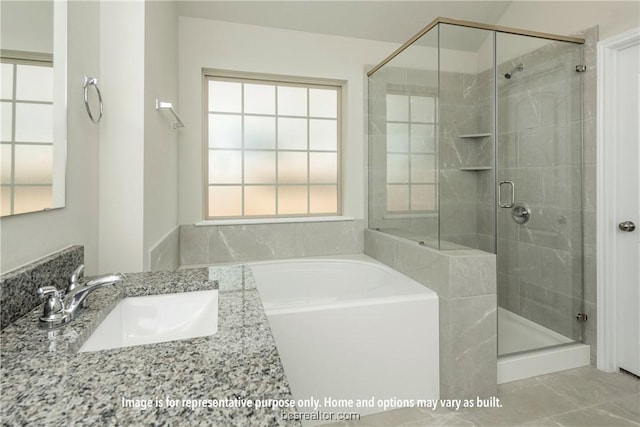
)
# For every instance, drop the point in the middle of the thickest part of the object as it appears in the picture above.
(475, 142)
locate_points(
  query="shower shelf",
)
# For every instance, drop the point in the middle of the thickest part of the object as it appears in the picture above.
(475, 168)
(475, 135)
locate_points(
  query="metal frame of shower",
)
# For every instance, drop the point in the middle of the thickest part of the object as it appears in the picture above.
(478, 25)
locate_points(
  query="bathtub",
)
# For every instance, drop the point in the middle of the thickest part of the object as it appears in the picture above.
(353, 334)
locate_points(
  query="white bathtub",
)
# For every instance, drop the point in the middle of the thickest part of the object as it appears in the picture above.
(352, 329)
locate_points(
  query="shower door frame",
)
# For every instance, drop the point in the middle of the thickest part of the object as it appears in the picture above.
(478, 25)
(576, 327)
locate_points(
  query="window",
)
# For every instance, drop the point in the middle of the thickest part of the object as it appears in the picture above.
(26, 136)
(411, 158)
(272, 148)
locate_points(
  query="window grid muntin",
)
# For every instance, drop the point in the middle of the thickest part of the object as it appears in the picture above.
(408, 185)
(308, 185)
(14, 101)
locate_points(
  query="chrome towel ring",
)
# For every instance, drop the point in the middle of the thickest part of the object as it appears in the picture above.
(86, 82)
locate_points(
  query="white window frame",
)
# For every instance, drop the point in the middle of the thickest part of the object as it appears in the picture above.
(16, 58)
(293, 81)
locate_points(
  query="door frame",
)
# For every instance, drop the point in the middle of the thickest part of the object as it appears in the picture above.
(606, 164)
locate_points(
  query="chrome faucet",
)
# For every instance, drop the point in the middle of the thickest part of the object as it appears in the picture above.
(61, 307)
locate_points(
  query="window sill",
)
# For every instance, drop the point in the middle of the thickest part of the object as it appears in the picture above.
(409, 216)
(273, 220)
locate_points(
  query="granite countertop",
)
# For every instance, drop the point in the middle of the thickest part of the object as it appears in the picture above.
(46, 382)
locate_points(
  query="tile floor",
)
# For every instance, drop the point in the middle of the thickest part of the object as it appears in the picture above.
(579, 397)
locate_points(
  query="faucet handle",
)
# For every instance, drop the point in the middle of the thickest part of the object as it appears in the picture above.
(53, 306)
(48, 292)
(74, 281)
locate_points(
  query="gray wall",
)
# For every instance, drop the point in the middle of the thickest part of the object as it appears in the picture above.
(465, 281)
(466, 196)
(212, 244)
(31, 236)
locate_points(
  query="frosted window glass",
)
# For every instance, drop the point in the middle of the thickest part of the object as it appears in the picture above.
(259, 99)
(34, 164)
(323, 199)
(260, 132)
(422, 139)
(397, 168)
(292, 200)
(292, 167)
(5, 117)
(292, 101)
(30, 199)
(34, 83)
(323, 135)
(5, 201)
(397, 198)
(259, 200)
(225, 201)
(225, 97)
(5, 164)
(397, 137)
(292, 134)
(422, 168)
(225, 131)
(323, 167)
(259, 167)
(34, 122)
(323, 103)
(423, 197)
(397, 108)
(225, 167)
(423, 109)
(6, 81)
(260, 135)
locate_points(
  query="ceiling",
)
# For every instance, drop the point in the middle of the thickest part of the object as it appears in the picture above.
(390, 21)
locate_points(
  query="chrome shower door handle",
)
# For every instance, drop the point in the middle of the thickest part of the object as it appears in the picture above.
(513, 195)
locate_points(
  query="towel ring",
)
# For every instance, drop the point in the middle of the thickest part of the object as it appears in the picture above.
(86, 82)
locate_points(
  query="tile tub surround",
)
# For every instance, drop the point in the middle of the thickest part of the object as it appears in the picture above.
(45, 382)
(210, 244)
(465, 281)
(165, 255)
(18, 287)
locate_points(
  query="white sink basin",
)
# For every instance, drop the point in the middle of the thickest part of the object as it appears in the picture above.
(156, 318)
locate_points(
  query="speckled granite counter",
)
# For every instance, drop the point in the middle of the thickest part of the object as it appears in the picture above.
(46, 382)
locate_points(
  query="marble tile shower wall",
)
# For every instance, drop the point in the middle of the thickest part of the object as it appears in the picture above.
(540, 149)
(459, 194)
(399, 81)
(252, 242)
(466, 196)
(18, 287)
(465, 281)
(465, 208)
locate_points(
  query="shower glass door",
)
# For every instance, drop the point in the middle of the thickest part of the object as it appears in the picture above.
(539, 193)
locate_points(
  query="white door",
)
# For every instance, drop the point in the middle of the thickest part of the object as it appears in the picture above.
(628, 210)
